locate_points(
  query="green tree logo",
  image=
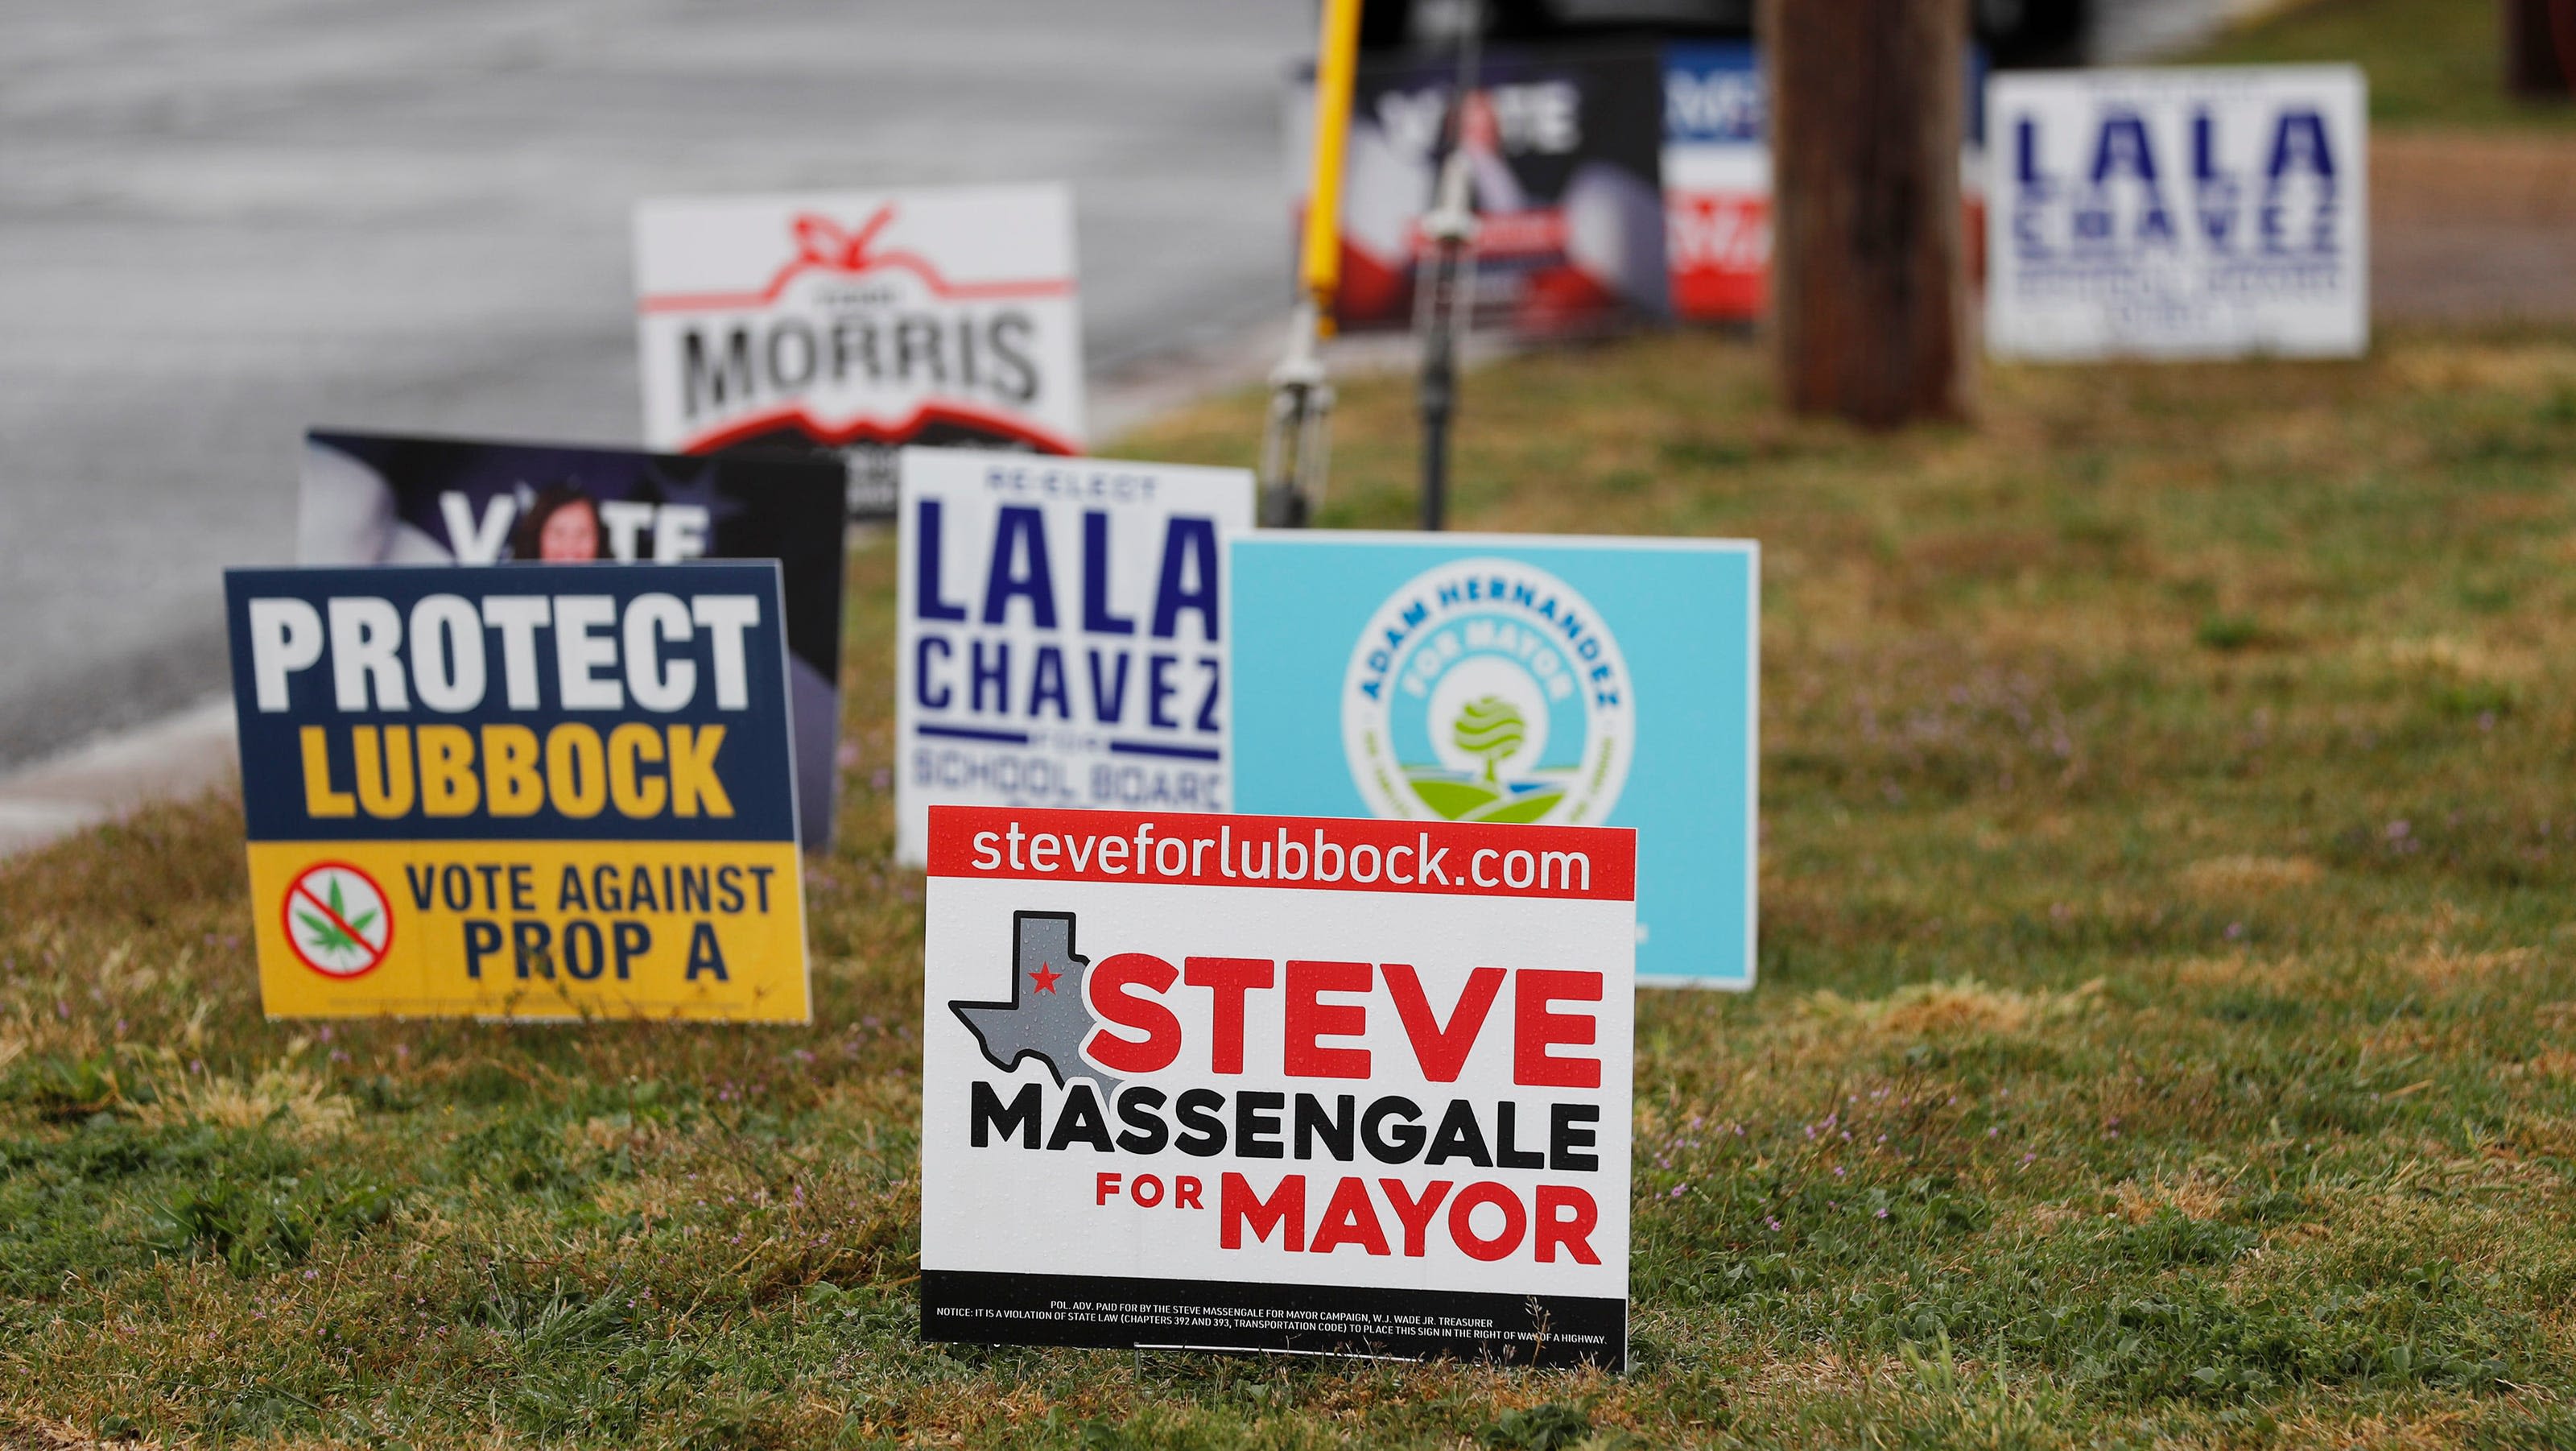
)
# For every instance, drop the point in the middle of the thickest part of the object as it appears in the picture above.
(1490, 730)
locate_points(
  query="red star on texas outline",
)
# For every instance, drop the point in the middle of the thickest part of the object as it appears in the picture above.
(1045, 977)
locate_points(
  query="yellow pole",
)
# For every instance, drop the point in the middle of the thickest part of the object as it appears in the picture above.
(1336, 62)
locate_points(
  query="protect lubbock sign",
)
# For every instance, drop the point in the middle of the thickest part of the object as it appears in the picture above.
(1062, 636)
(1282, 1083)
(526, 791)
(861, 320)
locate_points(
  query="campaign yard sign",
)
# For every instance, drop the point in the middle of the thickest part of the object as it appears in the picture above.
(1564, 148)
(371, 498)
(525, 791)
(2182, 213)
(859, 321)
(1273, 1083)
(1717, 176)
(1063, 634)
(1717, 181)
(1517, 678)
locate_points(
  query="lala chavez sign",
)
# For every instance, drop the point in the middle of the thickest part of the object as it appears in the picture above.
(521, 791)
(2208, 212)
(1517, 678)
(860, 321)
(1237, 1082)
(1565, 145)
(1063, 634)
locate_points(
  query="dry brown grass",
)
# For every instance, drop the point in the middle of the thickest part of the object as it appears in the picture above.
(285, 1098)
(2250, 875)
(2194, 1195)
(1954, 1008)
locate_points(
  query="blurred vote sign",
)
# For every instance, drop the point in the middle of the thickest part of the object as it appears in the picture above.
(520, 791)
(861, 320)
(373, 498)
(2191, 212)
(1517, 678)
(1062, 637)
(1277, 1083)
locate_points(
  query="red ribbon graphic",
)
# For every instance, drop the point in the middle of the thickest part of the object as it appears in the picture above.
(820, 242)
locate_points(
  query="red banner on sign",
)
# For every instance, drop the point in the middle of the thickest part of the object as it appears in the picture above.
(1307, 853)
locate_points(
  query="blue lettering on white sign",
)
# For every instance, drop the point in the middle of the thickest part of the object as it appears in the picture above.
(1063, 634)
(2114, 207)
(1173, 689)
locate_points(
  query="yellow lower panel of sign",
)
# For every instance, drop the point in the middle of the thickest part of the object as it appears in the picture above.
(703, 931)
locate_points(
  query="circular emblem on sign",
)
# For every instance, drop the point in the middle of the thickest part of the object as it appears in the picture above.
(338, 921)
(1488, 690)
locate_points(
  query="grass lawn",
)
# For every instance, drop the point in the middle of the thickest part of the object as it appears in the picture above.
(2167, 1028)
(2431, 62)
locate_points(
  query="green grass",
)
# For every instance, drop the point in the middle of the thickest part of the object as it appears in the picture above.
(2167, 1029)
(2431, 62)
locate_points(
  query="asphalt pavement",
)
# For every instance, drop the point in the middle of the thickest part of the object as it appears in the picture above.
(222, 221)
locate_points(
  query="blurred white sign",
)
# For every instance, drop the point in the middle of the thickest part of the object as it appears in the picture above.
(2207, 212)
(861, 321)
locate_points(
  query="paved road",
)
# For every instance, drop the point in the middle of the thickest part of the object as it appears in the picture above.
(223, 220)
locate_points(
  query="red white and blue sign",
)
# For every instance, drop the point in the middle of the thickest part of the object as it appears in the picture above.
(1717, 176)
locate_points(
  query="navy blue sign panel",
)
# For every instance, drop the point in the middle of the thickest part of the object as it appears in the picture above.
(571, 702)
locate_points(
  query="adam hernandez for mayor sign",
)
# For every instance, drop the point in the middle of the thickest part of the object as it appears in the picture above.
(1283, 1083)
(528, 791)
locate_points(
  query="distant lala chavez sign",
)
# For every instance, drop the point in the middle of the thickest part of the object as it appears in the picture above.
(861, 320)
(2194, 212)
(523, 791)
(1063, 634)
(1279, 1083)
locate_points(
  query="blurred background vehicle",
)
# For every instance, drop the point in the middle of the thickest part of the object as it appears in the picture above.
(2016, 32)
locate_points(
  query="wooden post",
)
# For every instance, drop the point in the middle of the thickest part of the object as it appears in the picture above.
(1869, 282)
(2540, 48)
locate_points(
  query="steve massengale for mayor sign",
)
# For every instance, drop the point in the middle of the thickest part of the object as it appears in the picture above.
(1277, 1082)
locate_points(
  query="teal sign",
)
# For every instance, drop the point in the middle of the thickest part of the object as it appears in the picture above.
(1517, 678)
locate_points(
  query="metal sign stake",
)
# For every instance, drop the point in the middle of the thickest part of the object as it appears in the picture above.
(1296, 442)
(1445, 284)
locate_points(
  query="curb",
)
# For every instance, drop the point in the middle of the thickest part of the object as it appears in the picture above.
(178, 755)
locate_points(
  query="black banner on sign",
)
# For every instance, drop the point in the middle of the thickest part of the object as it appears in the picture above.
(1109, 1311)
(394, 499)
